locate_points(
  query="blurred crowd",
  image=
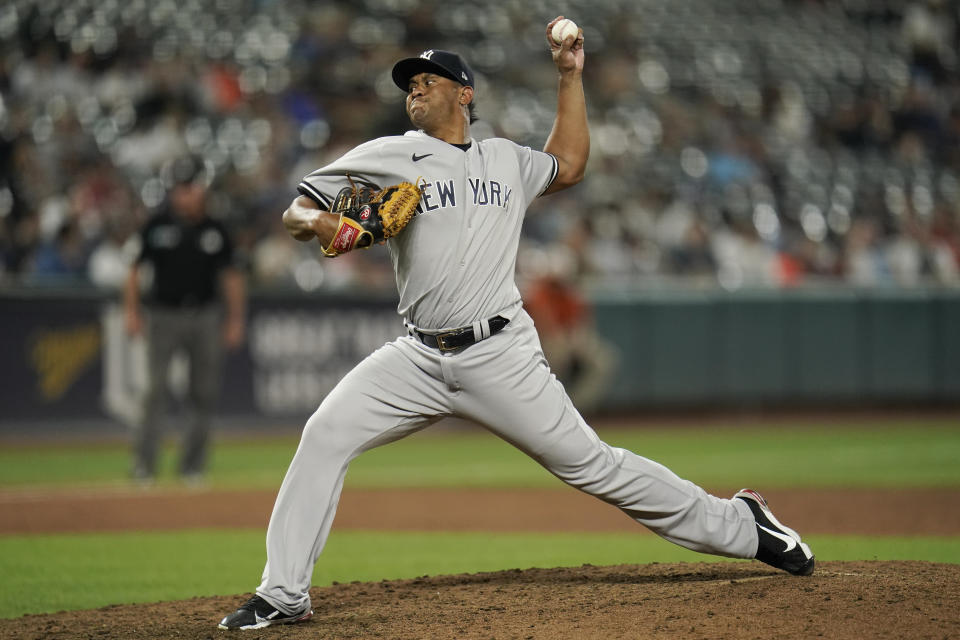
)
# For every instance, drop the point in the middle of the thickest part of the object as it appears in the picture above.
(743, 143)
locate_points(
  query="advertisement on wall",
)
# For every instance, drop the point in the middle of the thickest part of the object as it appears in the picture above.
(72, 359)
(51, 358)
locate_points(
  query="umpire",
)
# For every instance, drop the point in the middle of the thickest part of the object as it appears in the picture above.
(196, 303)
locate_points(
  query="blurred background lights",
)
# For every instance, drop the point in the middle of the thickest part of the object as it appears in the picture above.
(314, 134)
(611, 139)
(153, 192)
(813, 223)
(309, 275)
(654, 76)
(766, 221)
(694, 162)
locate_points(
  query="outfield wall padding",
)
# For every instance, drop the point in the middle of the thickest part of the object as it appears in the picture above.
(65, 355)
(803, 347)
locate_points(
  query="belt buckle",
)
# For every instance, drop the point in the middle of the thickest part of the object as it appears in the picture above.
(441, 345)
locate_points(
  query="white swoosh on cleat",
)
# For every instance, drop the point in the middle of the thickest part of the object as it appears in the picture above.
(262, 622)
(791, 543)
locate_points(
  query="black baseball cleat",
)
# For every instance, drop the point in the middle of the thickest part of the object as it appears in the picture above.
(257, 613)
(779, 546)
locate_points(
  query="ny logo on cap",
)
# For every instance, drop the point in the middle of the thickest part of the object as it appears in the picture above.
(427, 54)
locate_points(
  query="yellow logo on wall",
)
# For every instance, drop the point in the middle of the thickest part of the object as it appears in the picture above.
(60, 356)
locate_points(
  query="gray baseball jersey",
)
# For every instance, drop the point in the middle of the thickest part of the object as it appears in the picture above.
(455, 261)
(454, 265)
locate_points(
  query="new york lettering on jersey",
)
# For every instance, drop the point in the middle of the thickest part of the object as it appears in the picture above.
(441, 194)
(449, 177)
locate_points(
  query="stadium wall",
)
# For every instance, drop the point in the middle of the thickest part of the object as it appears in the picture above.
(66, 357)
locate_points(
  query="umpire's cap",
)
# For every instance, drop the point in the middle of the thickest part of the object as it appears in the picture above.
(444, 63)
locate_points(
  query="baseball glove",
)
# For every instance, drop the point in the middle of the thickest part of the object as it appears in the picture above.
(368, 215)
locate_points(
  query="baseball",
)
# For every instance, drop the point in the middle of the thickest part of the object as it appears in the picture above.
(563, 29)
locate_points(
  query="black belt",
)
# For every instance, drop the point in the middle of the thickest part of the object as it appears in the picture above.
(460, 338)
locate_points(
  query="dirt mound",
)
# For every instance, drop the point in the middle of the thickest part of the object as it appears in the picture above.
(707, 600)
(677, 601)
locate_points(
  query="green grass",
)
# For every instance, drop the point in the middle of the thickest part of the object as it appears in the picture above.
(54, 572)
(893, 453)
(58, 572)
(797, 455)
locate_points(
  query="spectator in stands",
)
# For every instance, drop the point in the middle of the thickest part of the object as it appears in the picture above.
(795, 112)
(109, 264)
(581, 359)
(62, 260)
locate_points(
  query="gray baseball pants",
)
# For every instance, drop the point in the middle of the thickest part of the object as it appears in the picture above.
(504, 384)
(197, 332)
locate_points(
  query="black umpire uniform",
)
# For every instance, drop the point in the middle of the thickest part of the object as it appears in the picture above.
(196, 304)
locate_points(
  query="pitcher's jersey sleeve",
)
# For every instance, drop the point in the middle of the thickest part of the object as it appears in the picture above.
(372, 162)
(538, 169)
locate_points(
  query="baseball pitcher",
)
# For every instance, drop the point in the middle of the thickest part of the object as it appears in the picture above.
(449, 209)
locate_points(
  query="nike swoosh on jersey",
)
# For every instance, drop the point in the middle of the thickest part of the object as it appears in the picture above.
(417, 158)
(791, 543)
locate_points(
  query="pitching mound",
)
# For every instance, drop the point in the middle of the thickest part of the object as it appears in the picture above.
(704, 600)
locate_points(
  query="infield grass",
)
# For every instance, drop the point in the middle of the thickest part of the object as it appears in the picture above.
(51, 573)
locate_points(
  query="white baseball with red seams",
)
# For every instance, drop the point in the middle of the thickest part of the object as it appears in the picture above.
(564, 29)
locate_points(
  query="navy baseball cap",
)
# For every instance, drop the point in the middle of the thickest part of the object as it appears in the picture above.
(443, 63)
